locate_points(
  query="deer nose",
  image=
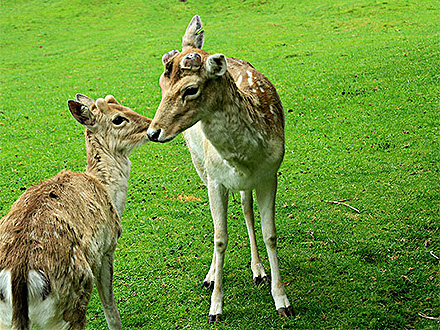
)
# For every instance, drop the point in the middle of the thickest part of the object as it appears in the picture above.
(153, 134)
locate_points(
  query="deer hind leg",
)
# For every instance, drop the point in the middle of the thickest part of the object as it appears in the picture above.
(266, 202)
(218, 202)
(74, 316)
(259, 275)
(104, 284)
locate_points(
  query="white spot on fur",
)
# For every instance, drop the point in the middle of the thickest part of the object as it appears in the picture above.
(250, 81)
(253, 90)
(272, 111)
(55, 234)
(240, 79)
(261, 90)
(259, 83)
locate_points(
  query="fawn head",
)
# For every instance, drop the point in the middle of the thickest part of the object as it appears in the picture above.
(117, 127)
(190, 85)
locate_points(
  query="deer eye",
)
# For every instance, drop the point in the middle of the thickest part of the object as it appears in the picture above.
(119, 120)
(191, 92)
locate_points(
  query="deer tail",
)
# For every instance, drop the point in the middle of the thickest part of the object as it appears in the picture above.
(19, 293)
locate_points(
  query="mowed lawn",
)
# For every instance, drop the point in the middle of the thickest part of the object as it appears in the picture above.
(359, 81)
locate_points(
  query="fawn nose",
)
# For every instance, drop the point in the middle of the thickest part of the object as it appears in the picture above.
(153, 134)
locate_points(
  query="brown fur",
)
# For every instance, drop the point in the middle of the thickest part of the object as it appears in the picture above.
(46, 226)
(233, 122)
(66, 228)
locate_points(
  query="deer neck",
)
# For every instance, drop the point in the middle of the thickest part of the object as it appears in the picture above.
(232, 126)
(112, 170)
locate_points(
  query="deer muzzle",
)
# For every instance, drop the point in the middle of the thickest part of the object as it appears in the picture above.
(157, 135)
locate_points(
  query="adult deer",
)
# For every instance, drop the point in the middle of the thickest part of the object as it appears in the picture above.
(233, 122)
(60, 235)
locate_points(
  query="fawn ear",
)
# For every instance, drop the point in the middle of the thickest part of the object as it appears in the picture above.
(216, 65)
(194, 35)
(111, 99)
(168, 56)
(81, 98)
(82, 113)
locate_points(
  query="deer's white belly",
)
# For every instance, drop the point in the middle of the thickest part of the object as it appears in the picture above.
(236, 171)
(237, 178)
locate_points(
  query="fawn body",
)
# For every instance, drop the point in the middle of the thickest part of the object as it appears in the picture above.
(60, 235)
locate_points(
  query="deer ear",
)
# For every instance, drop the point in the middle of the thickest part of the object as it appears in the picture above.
(194, 35)
(216, 65)
(111, 99)
(82, 113)
(168, 56)
(191, 61)
(81, 98)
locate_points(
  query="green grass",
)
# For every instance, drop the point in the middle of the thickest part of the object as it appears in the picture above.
(359, 81)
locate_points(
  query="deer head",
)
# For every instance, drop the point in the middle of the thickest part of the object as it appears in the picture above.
(118, 128)
(190, 85)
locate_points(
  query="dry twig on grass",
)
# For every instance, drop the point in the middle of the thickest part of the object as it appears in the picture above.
(428, 317)
(432, 253)
(342, 202)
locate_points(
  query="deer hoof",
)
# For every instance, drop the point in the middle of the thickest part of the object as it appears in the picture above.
(214, 318)
(285, 311)
(207, 284)
(260, 280)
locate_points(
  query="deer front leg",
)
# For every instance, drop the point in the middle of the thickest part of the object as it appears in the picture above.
(209, 278)
(259, 275)
(104, 284)
(266, 203)
(218, 202)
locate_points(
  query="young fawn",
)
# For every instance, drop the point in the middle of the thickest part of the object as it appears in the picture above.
(233, 122)
(60, 235)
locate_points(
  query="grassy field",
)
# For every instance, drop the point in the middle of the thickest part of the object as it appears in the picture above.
(359, 81)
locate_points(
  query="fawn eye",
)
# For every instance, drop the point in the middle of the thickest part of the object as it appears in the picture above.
(119, 120)
(191, 92)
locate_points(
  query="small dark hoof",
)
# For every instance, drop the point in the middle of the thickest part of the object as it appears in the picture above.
(260, 280)
(214, 318)
(206, 284)
(286, 311)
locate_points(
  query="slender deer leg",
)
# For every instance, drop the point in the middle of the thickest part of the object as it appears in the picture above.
(259, 275)
(218, 201)
(105, 290)
(209, 278)
(266, 202)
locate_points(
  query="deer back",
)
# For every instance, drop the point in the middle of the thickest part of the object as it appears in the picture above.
(60, 227)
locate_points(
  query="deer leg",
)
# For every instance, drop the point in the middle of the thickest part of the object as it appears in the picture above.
(74, 316)
(209, 278)
(266, 194)
(104, 284)
(218, 202)
(259, 275)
